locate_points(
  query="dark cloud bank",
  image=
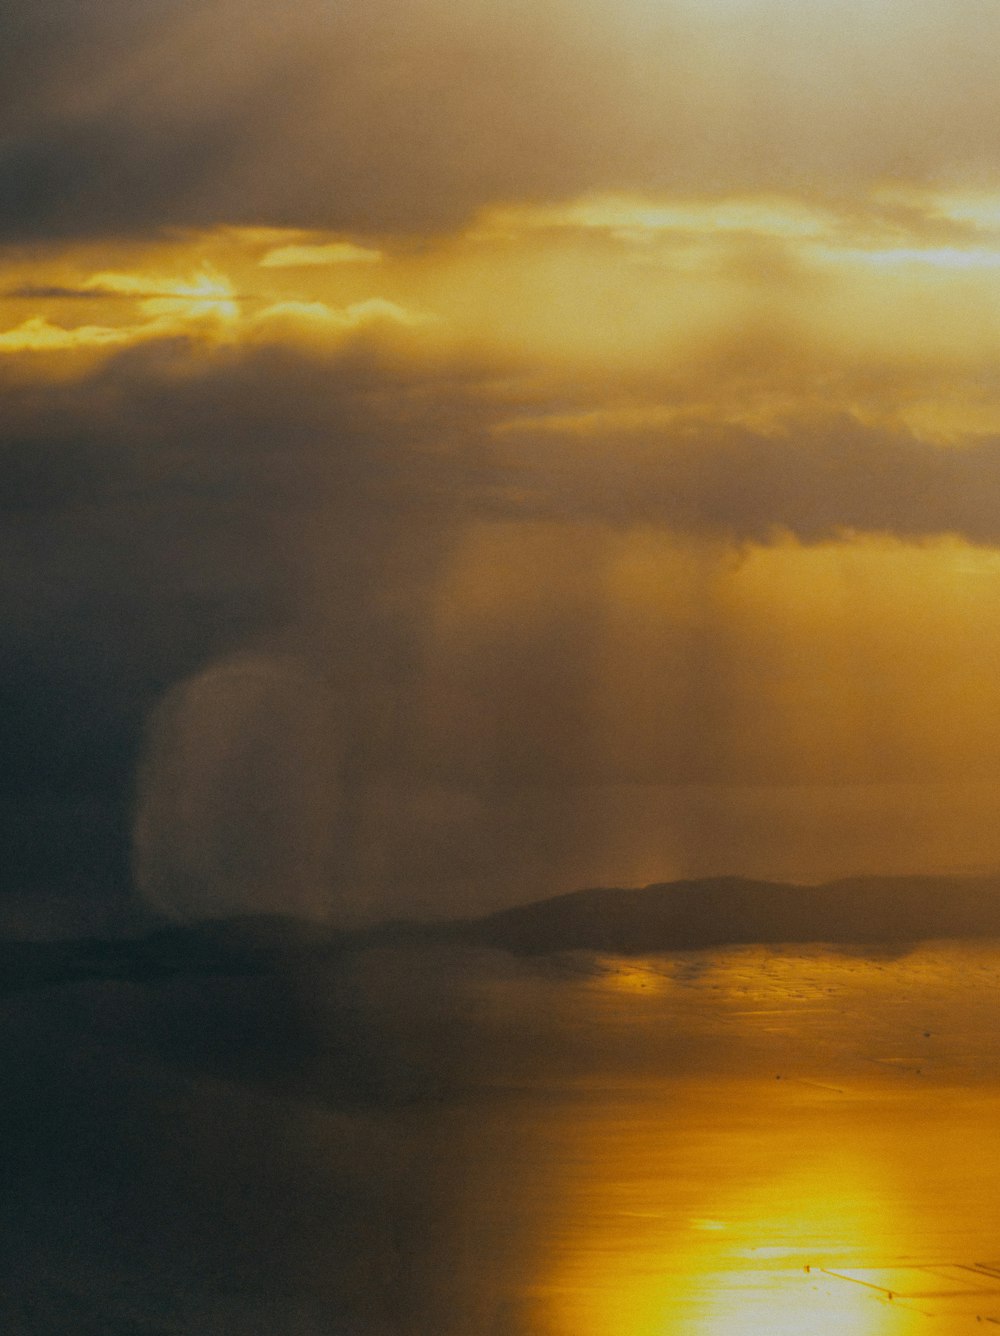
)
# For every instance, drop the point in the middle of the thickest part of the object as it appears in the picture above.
(175, 509)
(813, 481)
(119, 118)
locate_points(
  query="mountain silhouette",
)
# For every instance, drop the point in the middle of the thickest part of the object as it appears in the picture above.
(669, 916)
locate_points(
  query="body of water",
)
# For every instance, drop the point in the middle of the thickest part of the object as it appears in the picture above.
(419, 1141)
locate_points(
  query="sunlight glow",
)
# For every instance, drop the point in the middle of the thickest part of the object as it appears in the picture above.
(937, 257)
(783, 1228)
(979, 210)
(631, 215)
(769, 1303)
(305, 256)
(767, 1255)
(625, 976)
(38, 335)
(663, 308)
(208, 295)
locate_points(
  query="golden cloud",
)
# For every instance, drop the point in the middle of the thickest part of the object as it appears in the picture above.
(304, 256)
(37, 335)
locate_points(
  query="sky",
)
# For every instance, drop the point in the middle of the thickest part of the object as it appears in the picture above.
(458, 452)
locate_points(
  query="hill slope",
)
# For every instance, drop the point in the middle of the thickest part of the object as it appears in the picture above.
(671, 916)
(686, 915)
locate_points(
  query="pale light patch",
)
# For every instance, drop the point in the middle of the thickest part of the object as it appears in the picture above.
(764, 1303)
(633, 216)
(634, 417)
(629, 976)
(318, 318)
(126, 284)
(37, 335)
(376, 309)
(317, 312)
(205, 302)
(979, 209)
(982, 212)
(305, 256)
(951, 419)
(936, 257)
(756, 408)
(208, 296)
(753, 1263)
(978, 562)
(207, 293)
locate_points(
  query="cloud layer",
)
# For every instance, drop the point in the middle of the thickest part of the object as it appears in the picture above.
(588, 400)
(508, 623)
(119, 119)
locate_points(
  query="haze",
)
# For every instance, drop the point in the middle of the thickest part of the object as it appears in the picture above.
(460, 461)
(588, 411)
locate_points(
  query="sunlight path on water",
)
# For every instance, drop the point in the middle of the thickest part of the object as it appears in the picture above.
(743, 1142)
(826, 1165)
(764, 1210)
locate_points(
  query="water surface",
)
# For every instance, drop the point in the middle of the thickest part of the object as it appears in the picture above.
(417, 1140)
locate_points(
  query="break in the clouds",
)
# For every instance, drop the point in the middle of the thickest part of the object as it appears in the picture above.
(120, 118)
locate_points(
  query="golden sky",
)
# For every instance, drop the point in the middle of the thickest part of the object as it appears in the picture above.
(597, 401)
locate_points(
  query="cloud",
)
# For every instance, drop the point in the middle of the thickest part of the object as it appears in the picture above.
(177, 502)
(614, 270)
(297, 319)
(817, 476)
(38, 335)
(817, 480)
(43, 292)
(638, 216)
(204, 304)
(681, 301)
(335, 117)
(479, 610)
(204, 286)
(304, 256)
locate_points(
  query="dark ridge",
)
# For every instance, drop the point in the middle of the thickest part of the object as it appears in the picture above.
(731, 911)
(671, 916)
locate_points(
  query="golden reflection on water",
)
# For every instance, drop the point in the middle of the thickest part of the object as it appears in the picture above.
(761, 1191)
(767, 1289)
(772, 1217)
